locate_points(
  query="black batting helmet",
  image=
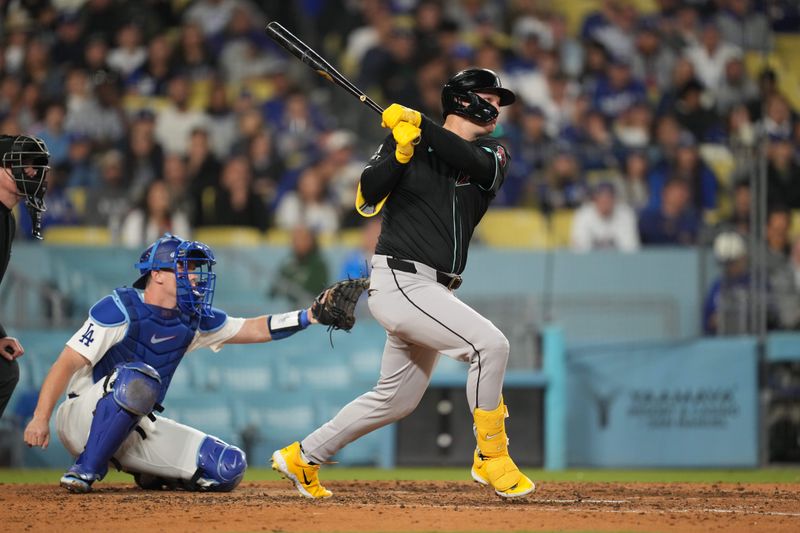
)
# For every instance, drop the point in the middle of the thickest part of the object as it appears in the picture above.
(458, 95)
(28, 160)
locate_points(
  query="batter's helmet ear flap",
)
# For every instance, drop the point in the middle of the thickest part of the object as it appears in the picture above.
(28, 160)
(459, 95)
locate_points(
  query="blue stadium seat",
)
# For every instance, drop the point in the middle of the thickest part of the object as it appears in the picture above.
(314, 371)
(209, 412)
(238, 368)
(362, 353)
(55, 456)
(26, 373)
(183, 380)
(450, 369)
(376, 448)
(271, 420)
(42, 348)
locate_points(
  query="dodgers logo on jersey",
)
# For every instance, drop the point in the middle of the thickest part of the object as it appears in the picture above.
(88, 336)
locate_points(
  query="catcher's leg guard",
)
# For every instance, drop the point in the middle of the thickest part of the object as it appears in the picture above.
(220, 466)
(134, 391)
(290, 464)
(492, 465)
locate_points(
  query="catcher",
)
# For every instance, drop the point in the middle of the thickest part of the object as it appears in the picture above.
(117, 368)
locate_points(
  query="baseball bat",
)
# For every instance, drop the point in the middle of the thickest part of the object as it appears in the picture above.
(307, 55)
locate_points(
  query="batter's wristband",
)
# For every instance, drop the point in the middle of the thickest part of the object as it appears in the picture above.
(287, 324)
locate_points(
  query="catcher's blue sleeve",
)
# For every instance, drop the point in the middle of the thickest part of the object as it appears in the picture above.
(210, 324)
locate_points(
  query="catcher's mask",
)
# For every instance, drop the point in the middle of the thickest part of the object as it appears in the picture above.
(28, 160)
(192, 263)
(458, 95)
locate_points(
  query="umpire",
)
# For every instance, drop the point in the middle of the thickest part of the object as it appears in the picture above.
(23, 174)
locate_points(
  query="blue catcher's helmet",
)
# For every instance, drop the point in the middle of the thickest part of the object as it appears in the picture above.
(192, 262)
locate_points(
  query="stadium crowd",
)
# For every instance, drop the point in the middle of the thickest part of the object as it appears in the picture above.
(176, 115)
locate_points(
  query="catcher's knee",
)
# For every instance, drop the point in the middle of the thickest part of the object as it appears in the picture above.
(220, 466)
(136, 387)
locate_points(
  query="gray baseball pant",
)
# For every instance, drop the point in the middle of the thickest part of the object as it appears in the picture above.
(422, 319)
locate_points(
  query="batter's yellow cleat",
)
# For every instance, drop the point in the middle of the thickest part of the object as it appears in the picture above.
(289, 463)
(509, 481)
(491, 464)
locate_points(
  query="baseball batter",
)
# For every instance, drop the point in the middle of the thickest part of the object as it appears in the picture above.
(433, 185)
(117, 368)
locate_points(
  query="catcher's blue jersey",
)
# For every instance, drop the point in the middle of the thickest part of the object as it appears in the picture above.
(155, 335)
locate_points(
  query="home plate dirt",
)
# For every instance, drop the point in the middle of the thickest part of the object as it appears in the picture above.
(391, 506)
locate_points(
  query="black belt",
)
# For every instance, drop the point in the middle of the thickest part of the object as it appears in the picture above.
(451, 281)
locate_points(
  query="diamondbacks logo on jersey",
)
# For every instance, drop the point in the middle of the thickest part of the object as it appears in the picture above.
(501, 155)
(376, 155)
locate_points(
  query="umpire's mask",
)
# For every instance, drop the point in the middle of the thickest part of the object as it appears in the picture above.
(28, 160)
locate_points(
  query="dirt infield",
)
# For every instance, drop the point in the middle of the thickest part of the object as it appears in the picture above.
(407, 506)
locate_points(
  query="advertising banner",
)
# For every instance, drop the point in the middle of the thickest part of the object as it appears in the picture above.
(691, 404)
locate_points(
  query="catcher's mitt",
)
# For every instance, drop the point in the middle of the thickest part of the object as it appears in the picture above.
(337, 311)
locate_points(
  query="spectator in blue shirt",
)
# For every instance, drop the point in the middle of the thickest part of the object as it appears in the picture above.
(356, 263)
(726, 309)
(563, 186)
(673, 221)
(597, 146)
(532, 148)
(60, 209)
(686, 165)
(53, 133)
(80, 167)
(619, 91)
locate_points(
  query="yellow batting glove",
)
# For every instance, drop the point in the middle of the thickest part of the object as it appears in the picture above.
(404, 152)
(406, 135)
(395, 113)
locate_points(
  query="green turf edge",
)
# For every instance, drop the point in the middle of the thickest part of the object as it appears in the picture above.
(335, 473)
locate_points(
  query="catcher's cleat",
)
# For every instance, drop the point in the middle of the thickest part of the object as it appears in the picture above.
(289, 463)
(151, 482)
(500, 468)
(74, 482)
(492, 465)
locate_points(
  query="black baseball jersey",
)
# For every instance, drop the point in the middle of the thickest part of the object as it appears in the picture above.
(436, 199)
(7, 230)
